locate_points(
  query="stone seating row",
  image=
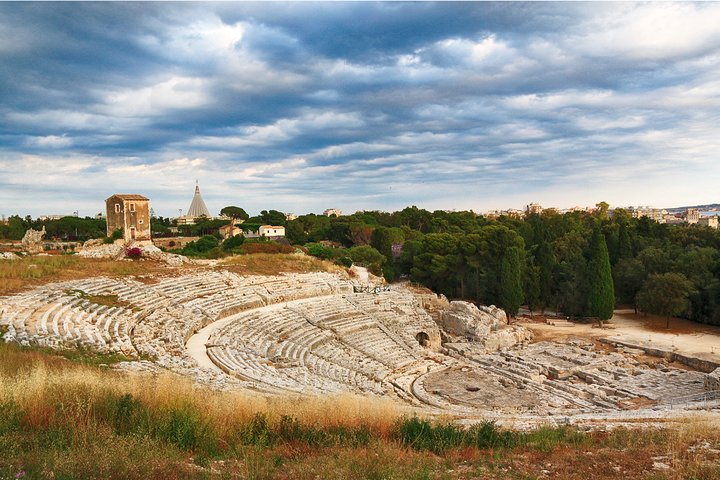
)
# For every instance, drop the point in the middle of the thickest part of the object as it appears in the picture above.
(57, 318)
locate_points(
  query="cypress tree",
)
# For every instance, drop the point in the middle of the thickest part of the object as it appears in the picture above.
(511, 288)
(602, 297)
(624, 243)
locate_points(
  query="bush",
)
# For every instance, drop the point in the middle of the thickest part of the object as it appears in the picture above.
(345, 262)
(134, 253)
(367, 256)
(319, 251)
(202, 247)
(116, 235)
(233, 243)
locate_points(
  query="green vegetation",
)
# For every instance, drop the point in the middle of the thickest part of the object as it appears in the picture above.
(602, 290)
(580, 263)
(511, 288)
(234, 212)
(66, 228)
(665, 294)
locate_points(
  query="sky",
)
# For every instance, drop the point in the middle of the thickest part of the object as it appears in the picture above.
(300, 107)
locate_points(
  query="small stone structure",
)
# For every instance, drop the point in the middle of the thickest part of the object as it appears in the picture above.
(32, 240)
(129, 213)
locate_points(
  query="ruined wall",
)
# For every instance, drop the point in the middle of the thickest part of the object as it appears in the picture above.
(115, 219)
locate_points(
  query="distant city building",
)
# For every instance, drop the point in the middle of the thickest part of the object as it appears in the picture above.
(652, 213)
(671, 219)
(534, 208)
(45, 218)
(332, 211)
(99, 216)
(271, 231)
(131, 213)
(692, 215)
(227, 231)
(290, 217)
(197, 209)
(711, 222)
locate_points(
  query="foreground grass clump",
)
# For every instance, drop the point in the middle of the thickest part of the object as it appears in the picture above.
(30, 271)
(60, 419)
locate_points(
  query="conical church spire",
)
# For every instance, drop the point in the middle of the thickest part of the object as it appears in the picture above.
(197, 206)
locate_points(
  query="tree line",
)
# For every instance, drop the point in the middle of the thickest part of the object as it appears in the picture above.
(582, 264)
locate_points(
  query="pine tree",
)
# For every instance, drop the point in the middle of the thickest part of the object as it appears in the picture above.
(601, 300)
(511, 288)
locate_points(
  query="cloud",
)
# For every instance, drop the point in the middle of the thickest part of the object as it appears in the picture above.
(359, 105)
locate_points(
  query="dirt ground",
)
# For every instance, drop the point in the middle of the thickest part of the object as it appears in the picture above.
(683, 336)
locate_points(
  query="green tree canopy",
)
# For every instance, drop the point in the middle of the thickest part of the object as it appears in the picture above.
(234, 212)
(665, 294)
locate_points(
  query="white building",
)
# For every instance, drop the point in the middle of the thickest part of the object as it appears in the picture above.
(332, 211)
(271, 231)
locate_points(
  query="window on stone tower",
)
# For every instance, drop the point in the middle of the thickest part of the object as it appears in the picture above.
(117, 208)
(132, 207)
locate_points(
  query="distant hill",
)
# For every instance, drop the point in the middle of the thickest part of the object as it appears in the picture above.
(703, 208)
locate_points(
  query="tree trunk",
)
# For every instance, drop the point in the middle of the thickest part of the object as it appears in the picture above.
(667, 323)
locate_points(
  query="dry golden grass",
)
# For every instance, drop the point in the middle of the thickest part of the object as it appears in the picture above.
(61, 419)
(274, 263)
(34, 381)
(31, 271)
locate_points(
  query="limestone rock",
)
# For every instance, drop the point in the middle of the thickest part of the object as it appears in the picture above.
(93, 242)
(102, 251)
(32, 240)
(712, 380)
(506, 338)
(465, 320)
(8, 256)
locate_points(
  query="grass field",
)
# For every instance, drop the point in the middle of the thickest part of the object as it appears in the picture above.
(31, 271)
(273, 263)
(60, 419)
(28, 272)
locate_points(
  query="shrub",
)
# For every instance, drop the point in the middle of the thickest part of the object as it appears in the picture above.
(233, 243)
(369, 257)
(319, 251)
(345, 262)
(116, 235)
(134, 253)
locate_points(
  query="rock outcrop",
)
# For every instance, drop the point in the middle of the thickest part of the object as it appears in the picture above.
(32, 240)
(712, 380)
(465, 320)
(487, 327)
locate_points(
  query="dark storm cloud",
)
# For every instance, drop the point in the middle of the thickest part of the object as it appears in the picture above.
(301, 106)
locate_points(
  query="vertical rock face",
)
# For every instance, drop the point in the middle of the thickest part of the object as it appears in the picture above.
(465, 320)
(32, 240)
(486, 327)
(712, 380)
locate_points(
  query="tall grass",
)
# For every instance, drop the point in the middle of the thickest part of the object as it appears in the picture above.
(60, 419)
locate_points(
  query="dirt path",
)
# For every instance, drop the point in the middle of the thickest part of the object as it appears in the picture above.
(683, 336)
